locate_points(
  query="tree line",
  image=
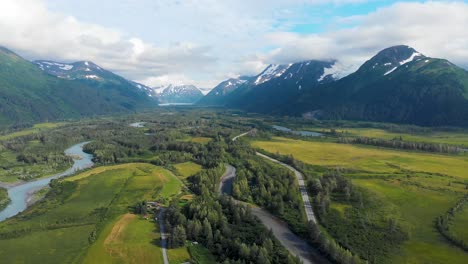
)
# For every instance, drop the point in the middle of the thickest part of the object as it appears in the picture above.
(399, 143)
(444, 222)
(229, 230)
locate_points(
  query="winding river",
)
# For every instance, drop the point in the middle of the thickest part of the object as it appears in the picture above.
(20, 194)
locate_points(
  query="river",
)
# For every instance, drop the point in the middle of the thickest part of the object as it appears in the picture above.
(20, 194)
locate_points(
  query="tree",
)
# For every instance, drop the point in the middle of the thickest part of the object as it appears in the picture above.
(178, 237)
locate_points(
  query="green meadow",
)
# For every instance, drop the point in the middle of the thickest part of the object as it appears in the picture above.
(92, 206)
(35, 129)
(187, 169)
(417, 188)
(444, 137)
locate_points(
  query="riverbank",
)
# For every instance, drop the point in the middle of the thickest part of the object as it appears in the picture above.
(22, 194)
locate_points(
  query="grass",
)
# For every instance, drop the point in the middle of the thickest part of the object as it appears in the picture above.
(459, 226)
(365, 158)
(56, 230)
(128, 240)
(417, 186)
(187, 169)
(201, 255)
(415, 209)
(340, 207)
(178, 255)
(452, 138)
(35, 129)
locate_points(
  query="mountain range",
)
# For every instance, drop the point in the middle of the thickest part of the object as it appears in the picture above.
(182, 94)
(29, 93)
(398, 84)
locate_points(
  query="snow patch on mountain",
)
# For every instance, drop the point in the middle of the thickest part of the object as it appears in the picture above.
(336, 71)
(390, 71)
(411, 58)
(271, 72)
(405, 61)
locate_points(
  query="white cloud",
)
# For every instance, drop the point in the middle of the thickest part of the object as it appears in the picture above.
(437, 29)
(206, 41)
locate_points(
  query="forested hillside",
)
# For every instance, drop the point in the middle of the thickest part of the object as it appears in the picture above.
(27, 94)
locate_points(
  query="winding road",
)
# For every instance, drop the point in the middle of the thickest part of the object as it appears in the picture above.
(302, 187)
(300, 179)
(164, 235)
(293, 243)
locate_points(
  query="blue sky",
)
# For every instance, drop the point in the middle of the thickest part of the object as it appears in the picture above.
(206, 41)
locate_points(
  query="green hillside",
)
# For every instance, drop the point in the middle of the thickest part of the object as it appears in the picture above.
(27, 94)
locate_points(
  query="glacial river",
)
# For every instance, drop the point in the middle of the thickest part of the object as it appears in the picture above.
(20, 194)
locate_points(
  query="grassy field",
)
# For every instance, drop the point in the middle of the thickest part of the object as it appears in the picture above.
(453, 138)
(418, 186)
(365, 158)
(130, 239)
(201, 255)
(36, 128)
(460, 224)
(415, 209)
(178, 255)
(187, 169)
(57, 229)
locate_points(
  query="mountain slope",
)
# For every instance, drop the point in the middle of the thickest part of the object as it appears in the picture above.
(397, 85)
(273, 92)
(94, 76)
(219, 94)
(187, 94)
(28, 94)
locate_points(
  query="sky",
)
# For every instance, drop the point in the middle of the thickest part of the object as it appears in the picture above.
(203, 42)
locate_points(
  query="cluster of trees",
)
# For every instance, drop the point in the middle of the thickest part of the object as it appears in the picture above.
(4, 200)
(43, 158)
(268, 185)
(443, 223)
(399, 143)
(228, 230)
(330, 248)
(361, 227)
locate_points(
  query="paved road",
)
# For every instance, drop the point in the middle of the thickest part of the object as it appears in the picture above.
(241, 135)
(294, 244)
(302, 187)
(300, 178)
(163, 235)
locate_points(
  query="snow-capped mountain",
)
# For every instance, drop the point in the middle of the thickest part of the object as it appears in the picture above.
(275, 84)
(179, 94)
(218, 94)
(71, 71)
(390, 59)
(271, 72)
(94, 76)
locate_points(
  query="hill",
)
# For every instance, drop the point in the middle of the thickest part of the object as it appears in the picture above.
(28, 94)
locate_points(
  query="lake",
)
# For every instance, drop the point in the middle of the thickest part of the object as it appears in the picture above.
(301, 133)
